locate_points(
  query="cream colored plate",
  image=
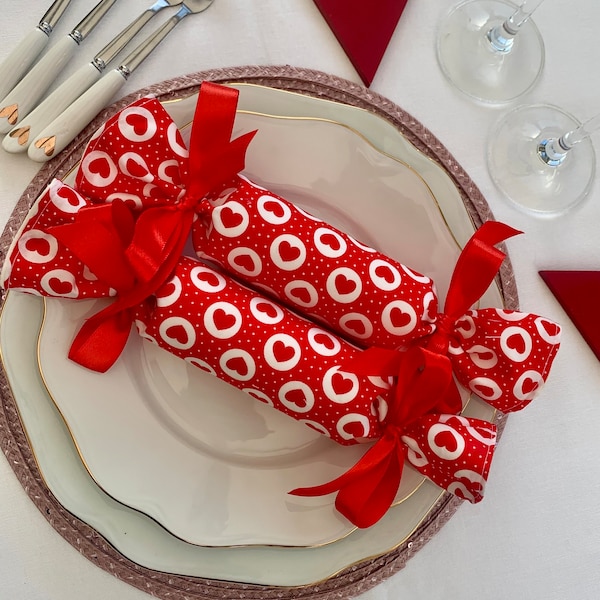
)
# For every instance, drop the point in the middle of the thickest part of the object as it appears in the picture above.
(76, 491)
(211, 464)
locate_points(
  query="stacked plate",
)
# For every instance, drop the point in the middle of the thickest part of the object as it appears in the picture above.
(186, 475)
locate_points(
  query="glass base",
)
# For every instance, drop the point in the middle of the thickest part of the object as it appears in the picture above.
(517, 168)
(470, 62)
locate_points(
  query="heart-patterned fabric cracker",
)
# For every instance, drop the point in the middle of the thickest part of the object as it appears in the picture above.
(374, 300)
(38, 263)
(277, 357)
(313, 267)
(274, 355)
(121, 234)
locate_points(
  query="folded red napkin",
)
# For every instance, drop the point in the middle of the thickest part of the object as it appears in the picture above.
(364, 29)
(578, 293)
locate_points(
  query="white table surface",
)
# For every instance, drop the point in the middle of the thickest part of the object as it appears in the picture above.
(536, 535)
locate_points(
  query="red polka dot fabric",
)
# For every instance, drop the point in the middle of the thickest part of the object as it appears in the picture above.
(313, 267)
(276, 356)
(277, 302)
(457, 455)
(137, 157)
(503, 356)
(39, 264)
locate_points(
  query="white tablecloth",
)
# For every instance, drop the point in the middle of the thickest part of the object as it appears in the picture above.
(537, 533)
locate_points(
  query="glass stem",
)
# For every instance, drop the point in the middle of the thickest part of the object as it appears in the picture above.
(502, 37)
(553, 151)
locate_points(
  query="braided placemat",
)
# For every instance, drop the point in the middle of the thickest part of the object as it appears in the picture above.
(13, 440)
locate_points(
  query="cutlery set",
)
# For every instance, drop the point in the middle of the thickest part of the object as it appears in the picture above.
(31, 46)
(43, 125)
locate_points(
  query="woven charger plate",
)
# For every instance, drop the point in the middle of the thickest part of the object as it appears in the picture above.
(354, 580)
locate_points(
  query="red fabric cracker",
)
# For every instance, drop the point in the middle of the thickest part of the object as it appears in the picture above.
(122, 232)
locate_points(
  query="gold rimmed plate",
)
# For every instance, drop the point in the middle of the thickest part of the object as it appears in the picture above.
(209, 463)
(332, 557)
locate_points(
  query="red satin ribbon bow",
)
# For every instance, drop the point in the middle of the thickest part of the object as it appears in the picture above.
(503, 356)
(135, 251)
(424, 392)
(475, 269)
(140, 194)
(454, 452)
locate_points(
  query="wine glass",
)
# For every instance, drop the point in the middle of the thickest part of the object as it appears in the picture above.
(542, 159)
(490, 49)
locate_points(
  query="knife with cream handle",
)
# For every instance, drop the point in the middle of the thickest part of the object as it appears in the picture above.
(40, 117)
(71, 121)
(17, 63)
(34, 85)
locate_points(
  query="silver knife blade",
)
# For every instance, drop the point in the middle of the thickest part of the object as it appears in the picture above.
(83, 28)
(53, 14)
(110, 51)
(133, 61)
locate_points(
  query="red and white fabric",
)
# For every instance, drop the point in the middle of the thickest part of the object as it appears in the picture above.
(121, 231)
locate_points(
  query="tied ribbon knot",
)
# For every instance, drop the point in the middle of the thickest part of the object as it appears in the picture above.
(439, 341)
(475, 270)
(367, 490)
(136, 252)
(424, 390)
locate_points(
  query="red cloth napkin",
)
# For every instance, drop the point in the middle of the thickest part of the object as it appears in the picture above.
(364, 29)
(578, 293)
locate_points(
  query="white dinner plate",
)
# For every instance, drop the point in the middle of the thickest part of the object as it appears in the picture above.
(210, 463)
(147, 543)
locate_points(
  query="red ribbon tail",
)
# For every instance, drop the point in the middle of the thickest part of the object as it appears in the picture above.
(99, 342)
(109, 227)
(214, 157)
(477, 266)
(225, 162)
(374, 361)
(494, 232)
(365, 500)
(368, 489)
